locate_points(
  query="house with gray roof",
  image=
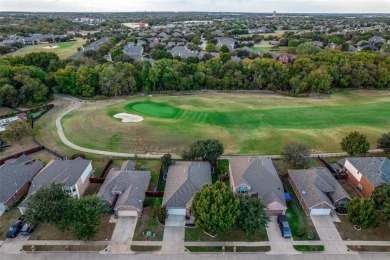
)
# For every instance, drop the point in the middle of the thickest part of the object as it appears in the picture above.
(229, 42)
(184, 179)
(183, 52)
(258, 178)
(72, 174)
(134, 51)
(15, 178)
(367, 173)
(94, 46)
(317, 190)
(124, 190)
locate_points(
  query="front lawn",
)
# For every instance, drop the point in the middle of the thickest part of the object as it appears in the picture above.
(196, 234)
(50, 232)
(6, 221)
(60, 248)
(348, 232)
(147, 222)
(370, 248)
(301, 225)
(145, 248)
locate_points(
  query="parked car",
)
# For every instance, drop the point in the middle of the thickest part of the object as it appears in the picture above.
(15, 228)
(284, 226)
(26, 229)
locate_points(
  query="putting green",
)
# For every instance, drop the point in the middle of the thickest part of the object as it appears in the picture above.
(245, 123)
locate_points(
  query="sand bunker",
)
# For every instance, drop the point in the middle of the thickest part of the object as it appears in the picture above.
(51, 47)
(126, 118)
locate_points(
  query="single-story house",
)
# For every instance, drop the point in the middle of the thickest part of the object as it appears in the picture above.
(258, 178)
(124, 190)
(317, 190)
(15, 178)
(183, 181)
(72, 174)
(367, 173)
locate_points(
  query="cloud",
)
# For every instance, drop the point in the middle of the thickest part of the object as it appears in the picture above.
(300, 6)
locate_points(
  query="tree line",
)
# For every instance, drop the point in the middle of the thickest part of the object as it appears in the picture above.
(32, 78)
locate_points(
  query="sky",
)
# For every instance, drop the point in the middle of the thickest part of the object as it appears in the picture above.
(258, 6)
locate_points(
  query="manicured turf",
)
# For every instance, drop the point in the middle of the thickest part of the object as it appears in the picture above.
(306, 248)
(245, 123)
(64, 49)
(196, 234)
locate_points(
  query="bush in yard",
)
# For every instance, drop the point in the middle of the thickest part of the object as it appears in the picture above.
(166, 161)
(296, 153)
(161, 213)
(355, 143)
(215, 208)
(253, 217)
(362, 212)
(384, 142)
(381, 197)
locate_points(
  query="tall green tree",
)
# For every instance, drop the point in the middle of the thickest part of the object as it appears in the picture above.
(362, 212)
(206, 150)
(384, 142)
(381, 197)
(215, 208)
(355, 143)
(253, 216)
(307, 48)
(166, 161)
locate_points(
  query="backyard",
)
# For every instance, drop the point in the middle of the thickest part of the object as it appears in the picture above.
(270, 121)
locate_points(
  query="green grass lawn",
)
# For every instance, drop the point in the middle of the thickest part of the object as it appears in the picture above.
(301, 225)
(306, 248)
(145, 248)
(246, 124)
(147, 222)
(196, 234)
(370, 248)
(63, 50)
(215, 249)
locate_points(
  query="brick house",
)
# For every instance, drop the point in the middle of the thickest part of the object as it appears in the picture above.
(367, 173)
(317, 190)
(124, 190)
(72, 174)
(15, 176)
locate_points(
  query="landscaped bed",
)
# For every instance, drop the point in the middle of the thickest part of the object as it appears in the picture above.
(309, 248)
(196, 234)
(348, 232)
(50, 232)
(147, 222)
(301, 225)
(145, 248)
(60, 248)
(200, 249)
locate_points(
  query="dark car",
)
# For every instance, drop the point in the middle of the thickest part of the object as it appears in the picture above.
(26, 229)
(284, 226)
(14, 230)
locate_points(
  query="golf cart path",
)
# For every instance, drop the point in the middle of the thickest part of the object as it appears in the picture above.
(77, 103)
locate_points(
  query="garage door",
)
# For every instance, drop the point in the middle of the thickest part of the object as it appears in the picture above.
(127, 213)
(320, 212)
(181, 212)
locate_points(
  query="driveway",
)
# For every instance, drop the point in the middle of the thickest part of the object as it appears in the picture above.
(124, 229)
(279, 244)
(13, 245)
(329, 235)
(174, 233)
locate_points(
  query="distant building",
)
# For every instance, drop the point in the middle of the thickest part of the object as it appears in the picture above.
(136, 25)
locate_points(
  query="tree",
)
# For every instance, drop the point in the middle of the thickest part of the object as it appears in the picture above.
(381, 197)
(47, 205)
(362, 212)
(355, 143)
(384, 142)
(253, 216)
(161, 213)
(207, 150)
(215, 208)
(16, 131)
(224, 49)
(211, 47)
(84, 216)
(307, 48)
(166, 161)
(296, 153)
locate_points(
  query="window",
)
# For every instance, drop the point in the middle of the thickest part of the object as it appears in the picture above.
(73, 188)
(359, 187)
(242, 190)
(342, 203)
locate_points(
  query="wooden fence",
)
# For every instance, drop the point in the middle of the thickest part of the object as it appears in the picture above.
(154, 194)
(27, 152)
(35, 109)
(335, 174)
